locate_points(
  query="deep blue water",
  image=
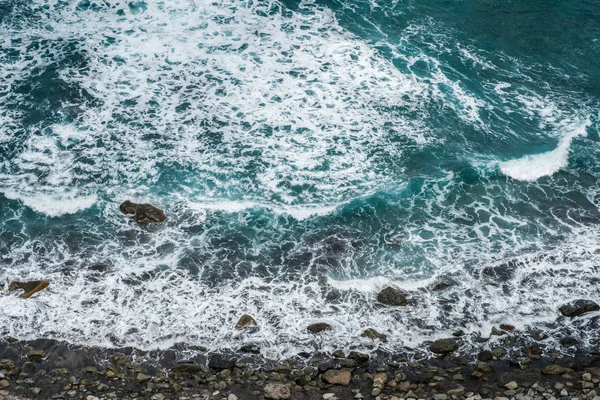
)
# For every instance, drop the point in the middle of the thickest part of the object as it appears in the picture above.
(307, 154)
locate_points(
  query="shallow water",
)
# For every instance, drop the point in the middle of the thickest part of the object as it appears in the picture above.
(307, 154)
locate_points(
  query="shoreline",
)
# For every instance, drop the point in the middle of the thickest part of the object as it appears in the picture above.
(51, 369)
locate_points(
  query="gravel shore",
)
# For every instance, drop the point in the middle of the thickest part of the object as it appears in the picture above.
(48, 369)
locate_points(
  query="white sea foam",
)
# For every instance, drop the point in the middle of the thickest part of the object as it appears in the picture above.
(533, 167)
(51, 205)
(297, 212)
(280, 111)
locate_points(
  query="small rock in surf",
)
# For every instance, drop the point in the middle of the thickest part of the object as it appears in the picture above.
(444, 346)
(392, 297)
(578, 307)
(245, 320)
(318, 327)
(143, 213)
(373, 334)
(30, 288)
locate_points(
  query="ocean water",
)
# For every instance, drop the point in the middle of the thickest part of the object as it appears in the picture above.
(307, 154)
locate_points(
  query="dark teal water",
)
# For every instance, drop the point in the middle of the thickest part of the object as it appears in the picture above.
(307, 154)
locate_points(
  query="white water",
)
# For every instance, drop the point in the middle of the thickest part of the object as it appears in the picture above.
(533, 167)
(327, 96)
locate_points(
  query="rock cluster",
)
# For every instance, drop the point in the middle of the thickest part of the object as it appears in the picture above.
(68, 372)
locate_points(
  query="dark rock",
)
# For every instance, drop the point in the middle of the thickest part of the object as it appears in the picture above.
(250, 348)
(30, 288)
(318, 327)
(507, 327)
(359, 357)
(373, 334)
(578, 307)
(460, 360)
(503, 272)
(497, 332)
(569, 341)
(539, 335)
(485, 355)
(392, 297)
(339, 354)
(245, 320)
(143, 213)
(187, 368)
(444, 346)
(222, 361)
(458, 333)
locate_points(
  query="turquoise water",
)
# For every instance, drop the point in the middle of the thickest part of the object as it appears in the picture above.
(307, 154)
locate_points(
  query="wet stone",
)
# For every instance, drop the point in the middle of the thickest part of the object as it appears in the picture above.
(485, 355)
(444, 346)
(578, 307)
(337, 377)
(245, 321)
(392, 297)
(29, 288)
(374, 335)
(318, 327)
(553, 370)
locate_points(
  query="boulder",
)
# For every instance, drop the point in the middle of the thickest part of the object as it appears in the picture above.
(222, 361)
(553, 370)
(30, 288)
(392, 297)
(187, 368)
(337, 377)
(339, 354)
(143, 213)
(318, 327)
(373, 334)
(444, 346)
(578, 307)
(36, 355)
(245, 320)
(250, 348)
(277, 391)
(485, 355)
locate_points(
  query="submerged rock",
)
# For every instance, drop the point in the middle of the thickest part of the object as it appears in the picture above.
(554, 370)
(245, 320)
(373, 334)
(392, 297)
(578, 307)
(187, 368)
(318, 327)
(30, 288)
(143, 213)
(444, 346)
